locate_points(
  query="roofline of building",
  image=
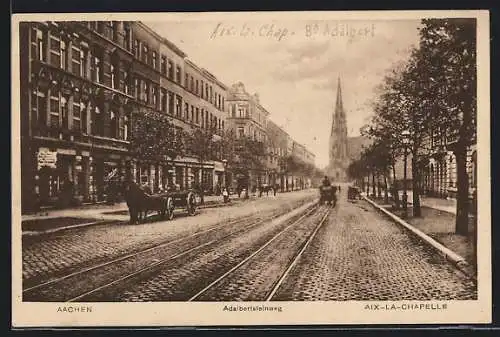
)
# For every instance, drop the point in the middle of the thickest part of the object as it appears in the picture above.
(164, 40)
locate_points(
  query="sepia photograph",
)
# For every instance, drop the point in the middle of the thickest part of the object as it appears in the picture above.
(251, 168)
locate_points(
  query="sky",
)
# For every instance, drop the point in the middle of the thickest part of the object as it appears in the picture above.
(294, 65)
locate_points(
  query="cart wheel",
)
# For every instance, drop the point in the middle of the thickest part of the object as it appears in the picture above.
(191, 204)
(170, 208)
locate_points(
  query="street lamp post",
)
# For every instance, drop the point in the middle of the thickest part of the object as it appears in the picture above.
(405, 139)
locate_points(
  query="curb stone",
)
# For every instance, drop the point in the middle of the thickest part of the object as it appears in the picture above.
(456, 260)
(58, 229)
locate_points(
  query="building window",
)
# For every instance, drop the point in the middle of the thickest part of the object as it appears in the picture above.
(96, 69)
(202, 89)
(56, 48)
(38, 45)
(163, 67)
(128, 35)
(153, 88)
(192, 114)
(241, 112)
(171, 103)
(178, 106)
(178, 74)
(191, 84)
(163, 99)
(113, 124)
(146, 92)
(211, 95)
(170, 70)
(113, 76)
(197, 90)
(223, 126)
(145, 53)
(206, 91)
(197, 116)
(223, 104)
(77, 110)
(84, 53)
(123, 128)
(186, 111)
(136, 48)
(154, 59)
(241, 132)
(124, 80)
(136, 88)
(96, 122)
(38, 108)
(54, 111)
(207, 121)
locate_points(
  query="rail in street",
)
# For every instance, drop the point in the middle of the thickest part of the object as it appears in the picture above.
(302, 252)
(173, 276)
(60, 254)
(99, 276)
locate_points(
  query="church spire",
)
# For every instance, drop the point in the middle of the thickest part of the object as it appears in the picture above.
(338, 139)
(339, 106)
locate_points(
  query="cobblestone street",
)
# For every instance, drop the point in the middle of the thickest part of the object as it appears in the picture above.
(59, 253)
(359, 255)
(350, 252)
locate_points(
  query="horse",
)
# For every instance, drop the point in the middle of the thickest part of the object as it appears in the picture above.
(139, 202)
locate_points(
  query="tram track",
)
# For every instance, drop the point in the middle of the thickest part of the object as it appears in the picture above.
(87, 281)
(259, 276)
(184, 276)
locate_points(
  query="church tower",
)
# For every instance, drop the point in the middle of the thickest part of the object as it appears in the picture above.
(339, 159)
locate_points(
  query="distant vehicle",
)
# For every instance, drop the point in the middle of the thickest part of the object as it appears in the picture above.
(327, 195)
(353, 193)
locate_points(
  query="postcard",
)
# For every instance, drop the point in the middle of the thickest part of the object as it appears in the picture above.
(250, 168)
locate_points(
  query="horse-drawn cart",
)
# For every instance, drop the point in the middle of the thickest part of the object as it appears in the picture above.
(353, 193)
(179, 199)
(327, 195)
(140, 202)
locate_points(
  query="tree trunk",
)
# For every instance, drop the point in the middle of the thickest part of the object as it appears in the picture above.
(379, 192)
(415, 187)
(373, 184)
(395, 191)
(386, 190)
(462, 218)
(367, 185)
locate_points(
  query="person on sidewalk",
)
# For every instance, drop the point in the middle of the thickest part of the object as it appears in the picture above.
(225, 195)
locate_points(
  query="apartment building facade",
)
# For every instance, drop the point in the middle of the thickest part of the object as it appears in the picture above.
(82, 86)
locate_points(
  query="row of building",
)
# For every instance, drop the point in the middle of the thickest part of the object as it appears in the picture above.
(84, 83)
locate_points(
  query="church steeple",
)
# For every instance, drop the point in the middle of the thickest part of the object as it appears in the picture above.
(338, 138)
(339, 106)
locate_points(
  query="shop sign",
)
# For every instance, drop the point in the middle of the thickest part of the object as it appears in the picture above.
(47, 158)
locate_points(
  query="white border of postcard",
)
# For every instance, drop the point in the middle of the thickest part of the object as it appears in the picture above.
(26, 314)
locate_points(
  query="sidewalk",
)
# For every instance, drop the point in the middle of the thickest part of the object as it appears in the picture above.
(102, 211)
(57, 219)
(445, 205)
(437, 220)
